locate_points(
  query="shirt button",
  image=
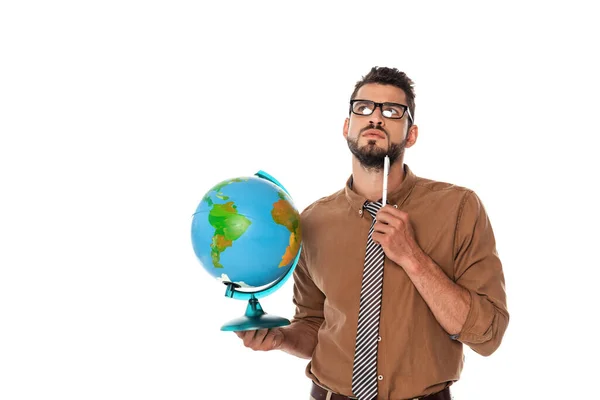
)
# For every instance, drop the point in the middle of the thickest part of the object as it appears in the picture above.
(380, 377)
(379, 338)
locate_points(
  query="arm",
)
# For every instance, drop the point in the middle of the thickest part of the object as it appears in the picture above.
(308, 317)
(477, 267)
(299, 338)
(472, 308)
(449, 302)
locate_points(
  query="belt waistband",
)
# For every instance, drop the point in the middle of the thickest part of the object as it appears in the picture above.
(320, 393)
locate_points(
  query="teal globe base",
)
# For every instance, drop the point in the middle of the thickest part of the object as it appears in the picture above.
(255, 318)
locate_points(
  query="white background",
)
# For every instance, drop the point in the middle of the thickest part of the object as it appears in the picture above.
(117, 116)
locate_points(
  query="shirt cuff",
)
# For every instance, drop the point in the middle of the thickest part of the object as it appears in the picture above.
(478, 326)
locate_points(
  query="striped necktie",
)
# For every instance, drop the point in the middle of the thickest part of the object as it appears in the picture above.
(364, 372)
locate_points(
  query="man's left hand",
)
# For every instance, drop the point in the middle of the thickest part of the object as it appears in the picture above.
(394, 232)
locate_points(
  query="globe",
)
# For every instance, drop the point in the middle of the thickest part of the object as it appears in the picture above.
(246, 234)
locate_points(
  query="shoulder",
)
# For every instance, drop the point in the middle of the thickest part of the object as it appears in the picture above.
(447, 198)
(441, 191)
(441, 187)
(465, 202)
(323, 205)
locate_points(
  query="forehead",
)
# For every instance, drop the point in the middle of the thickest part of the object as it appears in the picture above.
(381, 93)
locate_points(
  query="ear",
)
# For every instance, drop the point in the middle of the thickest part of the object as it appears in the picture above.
(413, 134)
(346, 123)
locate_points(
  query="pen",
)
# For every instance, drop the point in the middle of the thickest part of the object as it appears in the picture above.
(386, 170)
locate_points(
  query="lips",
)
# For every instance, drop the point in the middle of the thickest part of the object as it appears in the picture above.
(371, 133)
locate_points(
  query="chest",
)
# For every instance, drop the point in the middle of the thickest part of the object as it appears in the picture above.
(336, 251)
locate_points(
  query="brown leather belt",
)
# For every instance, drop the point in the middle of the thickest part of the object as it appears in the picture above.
(321, 394)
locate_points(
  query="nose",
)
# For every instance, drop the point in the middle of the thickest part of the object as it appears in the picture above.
(376, 118)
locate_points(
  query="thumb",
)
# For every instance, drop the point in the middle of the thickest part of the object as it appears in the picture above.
(277, 339)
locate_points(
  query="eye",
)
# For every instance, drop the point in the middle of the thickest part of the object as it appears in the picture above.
(363, 107)
(391, 112)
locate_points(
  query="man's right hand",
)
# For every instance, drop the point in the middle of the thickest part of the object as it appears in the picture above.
(262, 339)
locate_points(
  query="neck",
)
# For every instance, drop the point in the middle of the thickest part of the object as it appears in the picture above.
(369, 183)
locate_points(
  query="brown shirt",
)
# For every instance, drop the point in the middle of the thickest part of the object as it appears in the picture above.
(415, 355)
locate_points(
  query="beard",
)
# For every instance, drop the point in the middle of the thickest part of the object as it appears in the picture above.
(371, 157)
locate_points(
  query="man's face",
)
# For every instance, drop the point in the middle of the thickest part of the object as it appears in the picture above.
(371, 137)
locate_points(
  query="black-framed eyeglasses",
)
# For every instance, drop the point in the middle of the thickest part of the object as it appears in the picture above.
(388, 110)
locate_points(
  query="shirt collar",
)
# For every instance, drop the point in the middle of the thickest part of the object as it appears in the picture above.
(396, 197)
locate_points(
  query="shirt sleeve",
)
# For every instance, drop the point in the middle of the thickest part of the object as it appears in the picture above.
(308, 298)
(477, 267)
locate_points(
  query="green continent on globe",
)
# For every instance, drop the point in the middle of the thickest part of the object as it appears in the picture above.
(217, 190)
(229, 226)
(285, 214)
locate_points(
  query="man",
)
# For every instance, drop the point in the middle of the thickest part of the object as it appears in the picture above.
(385, 314)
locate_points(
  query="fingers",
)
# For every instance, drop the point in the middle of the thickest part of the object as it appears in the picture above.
(261, 339)
(397, 220)
(379, 238)
(249, 338)
(382, 227)
(389, 213)
(260, 336)
(387, 219)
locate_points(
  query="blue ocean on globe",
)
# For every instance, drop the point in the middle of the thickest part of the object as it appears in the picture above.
(246, 231)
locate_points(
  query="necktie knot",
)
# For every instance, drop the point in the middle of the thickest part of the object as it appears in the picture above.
(372, 207)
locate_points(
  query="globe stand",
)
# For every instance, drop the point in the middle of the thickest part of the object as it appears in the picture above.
(255, 317)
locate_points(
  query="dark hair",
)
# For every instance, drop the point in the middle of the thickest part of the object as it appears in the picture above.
(390, 76)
